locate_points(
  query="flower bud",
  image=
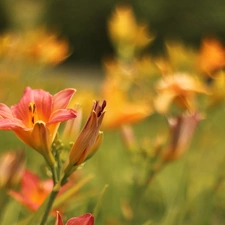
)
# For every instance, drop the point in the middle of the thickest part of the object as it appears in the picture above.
(11, 168)
(182, 129)
(129, 138)
(84, 146)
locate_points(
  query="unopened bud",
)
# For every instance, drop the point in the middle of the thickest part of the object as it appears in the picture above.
(84, 145)
(128, 137)
(182, 129)
(12, 165)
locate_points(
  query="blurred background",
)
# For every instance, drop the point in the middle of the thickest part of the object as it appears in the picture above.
(84, 23)
(55, 44)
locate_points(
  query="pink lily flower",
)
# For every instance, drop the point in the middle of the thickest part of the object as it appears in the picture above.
(36, 118)
(86, 219)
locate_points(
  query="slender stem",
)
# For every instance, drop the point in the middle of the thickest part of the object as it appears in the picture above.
(55, 174)
(49, 205)
(59, 163)
(64, 180)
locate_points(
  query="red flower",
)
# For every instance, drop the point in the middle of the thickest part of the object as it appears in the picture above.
(86, 219)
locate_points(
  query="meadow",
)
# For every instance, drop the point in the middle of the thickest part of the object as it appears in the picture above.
(139, 142)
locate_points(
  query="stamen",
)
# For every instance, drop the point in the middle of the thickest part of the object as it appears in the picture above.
(32, 108)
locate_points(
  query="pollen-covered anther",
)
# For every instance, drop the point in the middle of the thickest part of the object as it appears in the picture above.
(32, 108)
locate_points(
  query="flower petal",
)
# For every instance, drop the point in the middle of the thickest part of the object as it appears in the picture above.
(62, 115)
(10, 124)
(5, 112)
(43, 106)
(41, 141)
(86, 219)
(62, 98)
(162, 102)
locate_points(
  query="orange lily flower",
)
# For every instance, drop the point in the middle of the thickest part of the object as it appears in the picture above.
(34, 191)
(179, 88)
(122, 110)
(124, 29)
(86, 219)
(212, 56)
(36, 118)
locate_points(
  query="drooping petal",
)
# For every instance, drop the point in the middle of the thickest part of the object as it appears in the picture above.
(62, 98)
(86, 219)
(62, 115)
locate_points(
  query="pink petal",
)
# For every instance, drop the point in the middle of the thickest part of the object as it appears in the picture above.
(62, 115)
(42, 101)
(40, 138)
(62, 98)
(86, 219)
(5, 111)
(30, 182)
(58, 219)
(24, 200)
(10, 124)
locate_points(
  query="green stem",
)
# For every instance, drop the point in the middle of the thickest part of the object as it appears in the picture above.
(53, 195)
(64, 180)
(55, 174)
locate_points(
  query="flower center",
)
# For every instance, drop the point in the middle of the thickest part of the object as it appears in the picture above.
(32, 109)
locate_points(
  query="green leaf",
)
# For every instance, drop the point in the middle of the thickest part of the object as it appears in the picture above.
(202, 208)
(37, 216)
(12, 208)
(98, 204)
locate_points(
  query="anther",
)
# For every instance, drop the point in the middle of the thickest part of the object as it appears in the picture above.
(32, 107)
